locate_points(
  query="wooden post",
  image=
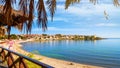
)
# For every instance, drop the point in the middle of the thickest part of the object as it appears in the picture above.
(22, 64)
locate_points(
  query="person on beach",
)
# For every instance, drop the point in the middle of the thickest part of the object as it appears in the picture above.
(10, 44)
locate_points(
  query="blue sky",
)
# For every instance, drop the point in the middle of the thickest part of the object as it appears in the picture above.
(83, 19)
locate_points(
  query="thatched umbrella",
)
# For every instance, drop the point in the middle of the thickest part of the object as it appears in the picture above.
(17, 19)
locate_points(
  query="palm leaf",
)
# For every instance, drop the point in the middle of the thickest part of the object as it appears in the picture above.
(93, 1)
(23, 4)
(106, 15)
(69, 2)
(42, 15)
(51, 7)
(116, 2)
(30, 18)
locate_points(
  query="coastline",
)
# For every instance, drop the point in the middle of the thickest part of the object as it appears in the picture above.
(50, 61)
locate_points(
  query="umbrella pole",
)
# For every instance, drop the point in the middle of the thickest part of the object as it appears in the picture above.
(8, 31)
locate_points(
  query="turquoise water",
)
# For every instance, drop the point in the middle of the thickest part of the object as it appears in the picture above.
(102, 52)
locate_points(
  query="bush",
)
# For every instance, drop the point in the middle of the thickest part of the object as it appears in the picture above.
(13, 36)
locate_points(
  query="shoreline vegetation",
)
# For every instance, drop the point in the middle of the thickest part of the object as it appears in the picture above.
(46, 37)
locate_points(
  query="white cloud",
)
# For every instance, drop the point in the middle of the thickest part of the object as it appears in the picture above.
(106, 24)
(90, 9)
(65, 29)
(60, 29)
(36, 29)
(59, 19)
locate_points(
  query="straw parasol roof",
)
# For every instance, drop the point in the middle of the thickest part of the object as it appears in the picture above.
(18, 18)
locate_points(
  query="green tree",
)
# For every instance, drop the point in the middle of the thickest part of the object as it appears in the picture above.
(44, 34)
(58, 35)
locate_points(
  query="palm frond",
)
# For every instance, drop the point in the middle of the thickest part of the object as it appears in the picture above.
(69, 2)
(19, 27)
(51, 7)
(42, 15)
(30, 18)
(23, 6)
(106, 15)
(116, 3)
(7, 11)
(93, 1)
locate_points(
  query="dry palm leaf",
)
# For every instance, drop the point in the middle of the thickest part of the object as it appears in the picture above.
(106, 15)
(93, 1)
(116, 3)
(42, 15)
(69, 2)
(51, 7)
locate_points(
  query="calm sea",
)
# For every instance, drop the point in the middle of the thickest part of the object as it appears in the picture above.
(101, 53)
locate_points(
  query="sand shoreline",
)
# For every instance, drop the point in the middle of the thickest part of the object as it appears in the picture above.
(51, 61)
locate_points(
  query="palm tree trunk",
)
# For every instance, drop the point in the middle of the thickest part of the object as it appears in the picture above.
(8, 31)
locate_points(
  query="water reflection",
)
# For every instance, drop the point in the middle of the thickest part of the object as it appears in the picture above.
(103, 52)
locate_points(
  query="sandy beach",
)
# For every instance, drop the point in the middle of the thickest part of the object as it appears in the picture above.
(50, 61)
